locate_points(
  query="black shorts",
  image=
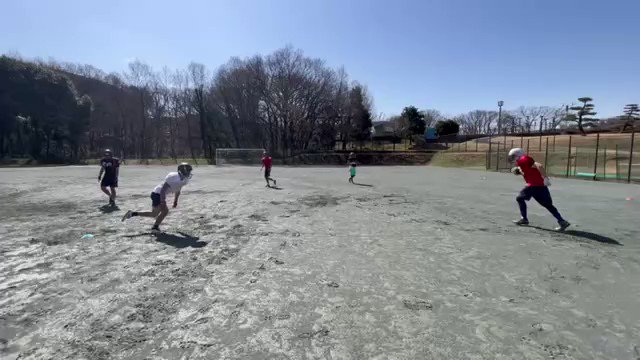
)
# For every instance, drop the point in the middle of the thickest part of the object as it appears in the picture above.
(540, 193)
(155, 199)
(267, 172)
(109, 182)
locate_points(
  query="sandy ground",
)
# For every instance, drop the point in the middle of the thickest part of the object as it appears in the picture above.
(422, 264)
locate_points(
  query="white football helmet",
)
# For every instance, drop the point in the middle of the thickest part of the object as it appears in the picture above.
(515, 154)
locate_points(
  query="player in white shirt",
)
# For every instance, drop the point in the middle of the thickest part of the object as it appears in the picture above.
(173, 183)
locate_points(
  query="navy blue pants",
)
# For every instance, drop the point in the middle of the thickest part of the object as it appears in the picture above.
(542, 196)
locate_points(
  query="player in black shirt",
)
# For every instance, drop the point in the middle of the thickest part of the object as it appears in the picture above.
(110, 166)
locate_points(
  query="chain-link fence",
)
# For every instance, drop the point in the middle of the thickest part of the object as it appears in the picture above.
(613, 157)
(602, 156)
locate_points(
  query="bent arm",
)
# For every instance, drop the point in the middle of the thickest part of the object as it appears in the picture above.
(175, 199)
(541, 169)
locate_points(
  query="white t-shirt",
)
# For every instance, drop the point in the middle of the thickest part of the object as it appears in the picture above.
(174, 181)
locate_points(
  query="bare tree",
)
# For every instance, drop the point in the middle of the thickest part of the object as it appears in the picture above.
(200, 82)
(478, 122)
(139, 76)
(431, 116)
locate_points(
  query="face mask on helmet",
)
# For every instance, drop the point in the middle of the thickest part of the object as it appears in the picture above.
(184, 170)
(515, 154)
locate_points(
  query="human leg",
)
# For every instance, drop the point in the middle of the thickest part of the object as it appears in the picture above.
(543, 197)
(522, 198)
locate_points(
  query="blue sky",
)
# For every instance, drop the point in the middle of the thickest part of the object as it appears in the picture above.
(451, 55)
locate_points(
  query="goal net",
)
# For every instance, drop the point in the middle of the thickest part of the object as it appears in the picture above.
(238, 156)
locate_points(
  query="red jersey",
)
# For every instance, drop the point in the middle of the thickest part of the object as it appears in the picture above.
(531, 174)
(266, 162)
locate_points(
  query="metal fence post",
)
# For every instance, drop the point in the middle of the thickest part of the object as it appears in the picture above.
(498, 157)
(617, 167)
(575, 162)
(595, 161)
(540, 142)
(604, 165)
(521, 141)
(489, 158)
(546, 155)
(554, 143)
(506, 156)
(466, 144)
(633, 135)
(528, 145)
(476, 145)
(568, 156)
(511, 145)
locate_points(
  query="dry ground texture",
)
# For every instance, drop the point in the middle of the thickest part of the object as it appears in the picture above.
(422, 264)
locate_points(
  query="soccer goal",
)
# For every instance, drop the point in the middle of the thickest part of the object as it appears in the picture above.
(238, 156)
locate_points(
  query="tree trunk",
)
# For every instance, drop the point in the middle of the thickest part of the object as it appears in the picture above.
(189, 139)
(144, 127)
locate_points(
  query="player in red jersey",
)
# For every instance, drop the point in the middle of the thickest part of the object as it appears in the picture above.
(537, 187)
(266, 164)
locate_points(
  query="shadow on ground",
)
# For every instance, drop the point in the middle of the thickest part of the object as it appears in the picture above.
(359, 184)
(585, 235)
(108, 209)
(180, 240)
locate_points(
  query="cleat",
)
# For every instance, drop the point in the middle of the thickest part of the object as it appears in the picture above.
(274, 183)
(521, 222)
(155, 229)
(127, 215)
(112, 202)
(563, 225)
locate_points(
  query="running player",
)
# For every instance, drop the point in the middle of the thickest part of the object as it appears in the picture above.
(352, 171)
(266, 164)
(173, 183)
(537, 187)
(110, 167)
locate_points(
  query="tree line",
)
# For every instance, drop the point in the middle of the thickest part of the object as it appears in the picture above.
(523, 120)
(285, 102)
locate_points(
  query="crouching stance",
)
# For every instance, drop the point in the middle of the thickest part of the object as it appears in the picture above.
(173, 183)
(537, 187)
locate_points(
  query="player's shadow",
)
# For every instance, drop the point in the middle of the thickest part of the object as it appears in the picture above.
(360, 184)
(274, 187)
(108, 209)
(585, 235)
(180, 241)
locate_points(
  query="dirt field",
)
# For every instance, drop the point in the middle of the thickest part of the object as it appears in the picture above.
(422, 264)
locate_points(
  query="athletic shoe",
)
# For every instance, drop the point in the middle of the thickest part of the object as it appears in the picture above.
(155, 229)
(274, 183)
(112, 202)
(521, 222)
(563, 225)
(127, 215)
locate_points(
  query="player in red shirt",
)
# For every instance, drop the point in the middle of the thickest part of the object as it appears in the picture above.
(266, 164)
(537, 187)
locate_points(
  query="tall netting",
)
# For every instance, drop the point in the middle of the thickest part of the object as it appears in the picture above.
(238, 156)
